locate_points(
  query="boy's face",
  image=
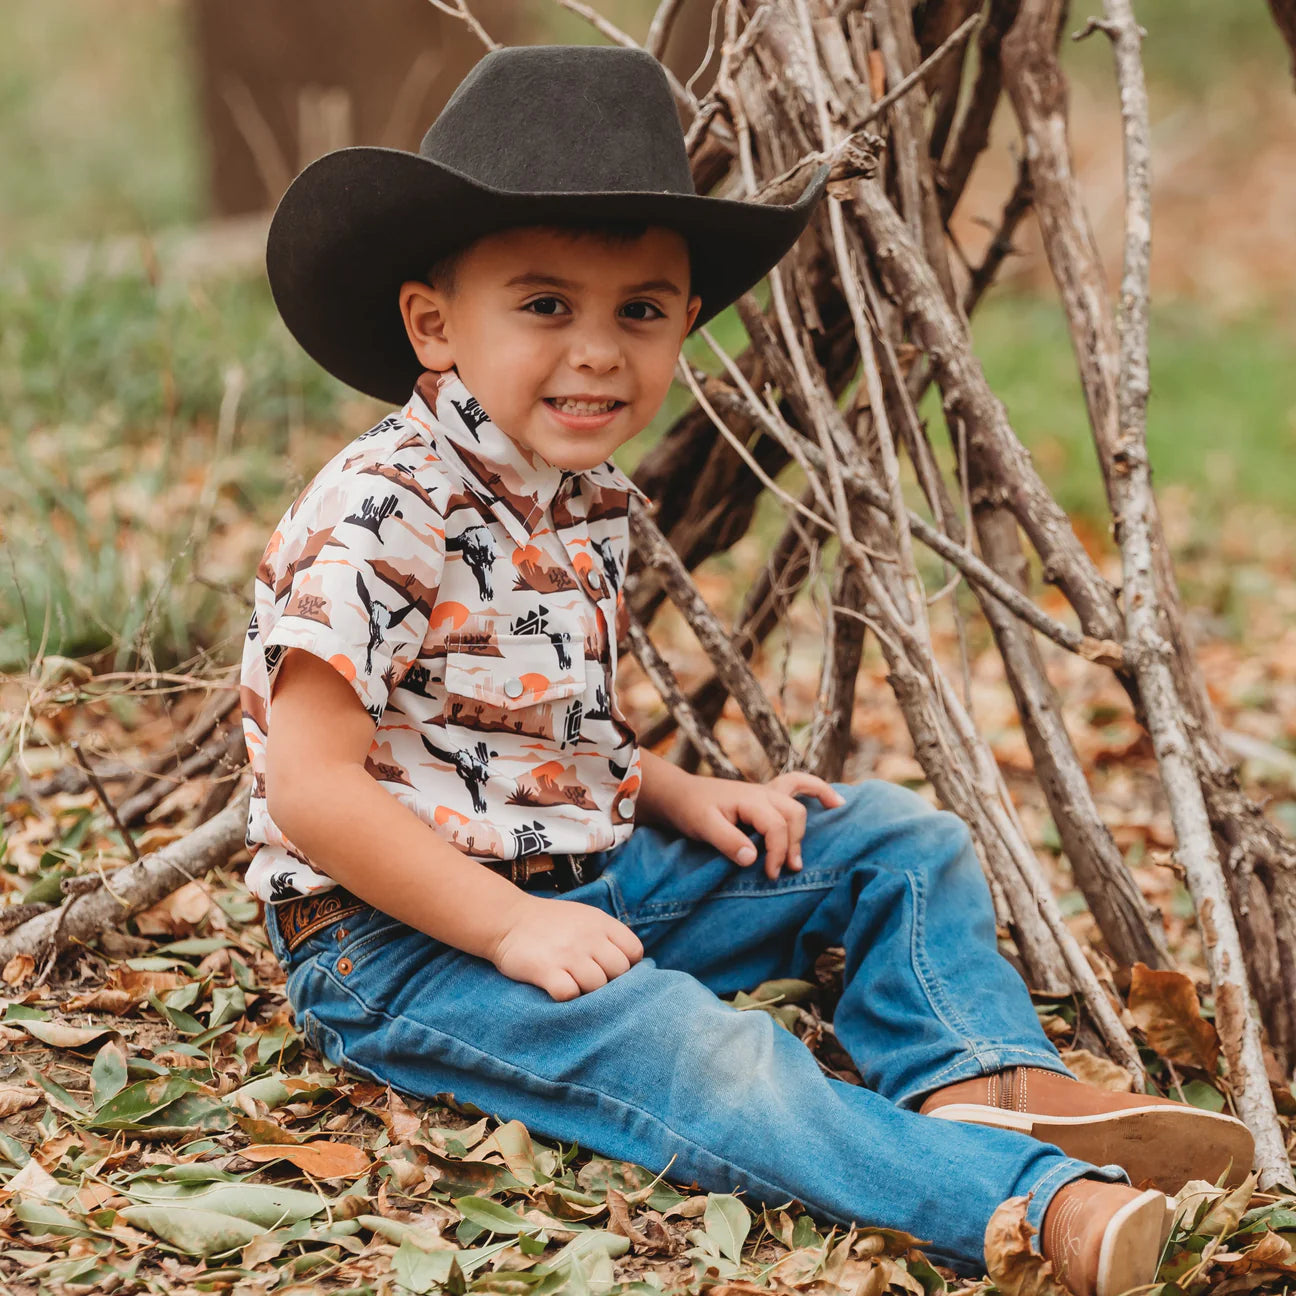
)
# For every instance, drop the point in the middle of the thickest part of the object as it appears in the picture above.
(540, 316)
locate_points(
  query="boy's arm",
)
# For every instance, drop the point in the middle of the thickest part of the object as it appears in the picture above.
(663, 786)
(324, 800)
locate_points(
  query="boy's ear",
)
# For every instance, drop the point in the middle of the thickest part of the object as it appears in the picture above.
(691, 313)
(423, 310)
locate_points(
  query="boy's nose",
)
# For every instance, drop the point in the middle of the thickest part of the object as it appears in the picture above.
(596, 352)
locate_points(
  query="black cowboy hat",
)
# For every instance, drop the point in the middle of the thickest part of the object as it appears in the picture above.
(533, 135)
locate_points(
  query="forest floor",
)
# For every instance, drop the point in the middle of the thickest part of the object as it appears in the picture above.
(164, 1126)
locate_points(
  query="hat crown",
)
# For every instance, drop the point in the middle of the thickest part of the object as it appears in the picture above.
(564, 119)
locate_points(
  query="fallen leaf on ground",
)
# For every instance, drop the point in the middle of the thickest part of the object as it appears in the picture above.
(1016, 1268)
(324, 1159)
(1164, 1004)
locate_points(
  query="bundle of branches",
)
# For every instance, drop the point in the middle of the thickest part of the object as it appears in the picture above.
(874, 303)
(870, 311)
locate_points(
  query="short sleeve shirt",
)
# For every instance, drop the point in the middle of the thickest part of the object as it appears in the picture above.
(464, 587)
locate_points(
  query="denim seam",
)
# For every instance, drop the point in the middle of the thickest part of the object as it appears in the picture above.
(997, 1057)
(1048, 1185)
(940, 1004)
(755, 891)
(345, 1059)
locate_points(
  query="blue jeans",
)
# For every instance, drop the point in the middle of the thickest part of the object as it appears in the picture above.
(653, 1065)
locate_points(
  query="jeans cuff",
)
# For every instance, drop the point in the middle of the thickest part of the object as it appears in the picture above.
(1064, 1172)
(986, 1060)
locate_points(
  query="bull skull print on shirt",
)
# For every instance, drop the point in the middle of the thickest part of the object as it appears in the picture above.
(471, 594)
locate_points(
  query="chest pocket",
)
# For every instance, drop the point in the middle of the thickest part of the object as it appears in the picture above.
(531, 669)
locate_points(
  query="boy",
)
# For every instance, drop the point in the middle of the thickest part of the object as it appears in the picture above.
(478, 883)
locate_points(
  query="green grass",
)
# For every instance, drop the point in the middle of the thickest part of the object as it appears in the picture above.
(112, 391)
(111, 386)
(1221, 413)
(99, 126)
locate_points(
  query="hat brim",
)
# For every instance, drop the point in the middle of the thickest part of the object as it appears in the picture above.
(358, 222)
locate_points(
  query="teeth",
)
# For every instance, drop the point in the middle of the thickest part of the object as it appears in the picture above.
(584, 407)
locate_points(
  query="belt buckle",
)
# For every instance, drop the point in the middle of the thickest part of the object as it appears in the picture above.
(569, 871)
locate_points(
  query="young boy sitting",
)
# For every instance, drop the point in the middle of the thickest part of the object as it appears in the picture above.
(477, 882)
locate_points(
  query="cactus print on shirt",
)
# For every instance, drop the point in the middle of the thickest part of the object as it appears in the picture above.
(464, 587)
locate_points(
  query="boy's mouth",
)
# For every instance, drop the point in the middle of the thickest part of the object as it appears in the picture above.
(567, 405)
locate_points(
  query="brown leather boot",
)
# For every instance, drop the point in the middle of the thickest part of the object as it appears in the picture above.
(1159, 1143)
(1104, 1238)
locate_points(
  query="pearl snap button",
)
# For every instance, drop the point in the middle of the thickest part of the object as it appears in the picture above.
(513, 686)
(625, 807)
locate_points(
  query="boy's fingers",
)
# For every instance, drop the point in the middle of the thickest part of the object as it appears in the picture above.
(773, 826)
(588, 974)
(560, 985)
(731, 839)
(613, 960)
(800, 782)
(626, 941)
(794, 814)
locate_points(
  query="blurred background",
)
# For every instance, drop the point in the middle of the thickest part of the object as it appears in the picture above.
(158, 419)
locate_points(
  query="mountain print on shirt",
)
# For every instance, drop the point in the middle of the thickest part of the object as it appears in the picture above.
(464, 588)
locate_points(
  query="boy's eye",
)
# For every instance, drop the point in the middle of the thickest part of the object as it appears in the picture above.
(545, 304)
(645, 305)
(637, 310)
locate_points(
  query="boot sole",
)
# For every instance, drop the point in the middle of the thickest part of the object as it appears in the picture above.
(1158, 1147)
(1132, 1244)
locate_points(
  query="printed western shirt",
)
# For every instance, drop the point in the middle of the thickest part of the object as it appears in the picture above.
(464, 587)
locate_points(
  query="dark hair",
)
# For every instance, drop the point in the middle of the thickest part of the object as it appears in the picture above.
(442, 273)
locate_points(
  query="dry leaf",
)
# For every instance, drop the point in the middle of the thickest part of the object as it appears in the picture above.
(402, 1124)
(1099, 1071)
(59, 1034)
(33, 1178)
(619, 1220)
(18, 969)
(1164, 1004)
(1016, 1268)
(176, 915)
(116, 1001)
(13, 1098)
(324, 1159)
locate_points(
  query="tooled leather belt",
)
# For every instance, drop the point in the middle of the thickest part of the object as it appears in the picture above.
(302, 916)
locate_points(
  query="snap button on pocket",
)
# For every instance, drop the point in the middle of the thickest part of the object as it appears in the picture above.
(343, 965)
(518, 671)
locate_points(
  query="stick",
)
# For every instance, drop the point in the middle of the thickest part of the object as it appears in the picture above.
(1132, 490)
(134, 887)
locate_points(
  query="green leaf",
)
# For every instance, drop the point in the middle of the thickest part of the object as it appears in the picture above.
(24, 1012)
(58, 1096)
(42, 1217)
(421, 1270)
(1203, 1095)
(108, 1074)
(783, 990)
(185, 1023)
(190, 1113)
(586, 1246)
(228, 1005)
(265, 1204)
(195, 945)
(129, 1108)
(728, 1221)
(195, 1232)
(804, 1233)
(491, 1215)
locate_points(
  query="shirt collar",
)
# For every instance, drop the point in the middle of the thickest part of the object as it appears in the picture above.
(517, 483)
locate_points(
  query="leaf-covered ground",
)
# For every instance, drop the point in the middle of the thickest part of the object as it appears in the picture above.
(163, 1127)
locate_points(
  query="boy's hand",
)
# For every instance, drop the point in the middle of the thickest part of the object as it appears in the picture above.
(715, 805)
(564, 947)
